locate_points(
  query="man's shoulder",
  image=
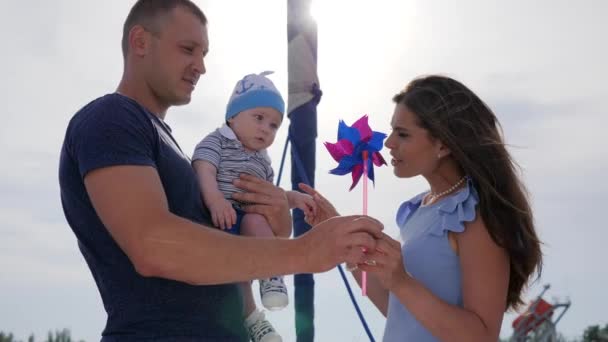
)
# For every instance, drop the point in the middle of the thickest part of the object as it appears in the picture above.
(111, 108)
(107, 103)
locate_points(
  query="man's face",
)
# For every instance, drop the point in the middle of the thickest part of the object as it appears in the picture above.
(175, 60)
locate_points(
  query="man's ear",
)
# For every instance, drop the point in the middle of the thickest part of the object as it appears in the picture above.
(139, 40)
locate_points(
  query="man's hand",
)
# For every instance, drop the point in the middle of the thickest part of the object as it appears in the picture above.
(324, 209)
(267, 200)
(223, 214)
(340, 239)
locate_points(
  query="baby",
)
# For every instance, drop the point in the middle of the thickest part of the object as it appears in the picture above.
(253, 115)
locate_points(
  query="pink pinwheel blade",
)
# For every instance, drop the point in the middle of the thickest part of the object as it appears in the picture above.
(377, 159)
(340, 149)
(357, 172)
(363, 127)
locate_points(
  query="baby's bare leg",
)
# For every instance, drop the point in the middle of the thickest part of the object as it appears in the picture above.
(255, 225)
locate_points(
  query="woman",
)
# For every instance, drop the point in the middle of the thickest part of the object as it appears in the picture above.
(469, 245)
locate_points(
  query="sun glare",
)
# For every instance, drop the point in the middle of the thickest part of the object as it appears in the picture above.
(331, 12)
(361, 27)
(343, 18)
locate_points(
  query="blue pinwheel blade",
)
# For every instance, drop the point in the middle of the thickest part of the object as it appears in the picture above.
(370, 170)
(339, 171)
(349, 133)
(345, 166)
(377, 141)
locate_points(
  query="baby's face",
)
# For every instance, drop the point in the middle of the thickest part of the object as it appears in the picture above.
(257, 127)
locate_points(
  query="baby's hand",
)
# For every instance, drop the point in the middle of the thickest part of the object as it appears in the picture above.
(323, 208)
(223, 214)
(303, 202)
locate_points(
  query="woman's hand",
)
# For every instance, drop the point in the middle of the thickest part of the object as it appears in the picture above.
(386, 262)
(324, 209)
(267, 200)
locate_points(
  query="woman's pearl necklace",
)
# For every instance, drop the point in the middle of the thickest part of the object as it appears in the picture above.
(433, 196)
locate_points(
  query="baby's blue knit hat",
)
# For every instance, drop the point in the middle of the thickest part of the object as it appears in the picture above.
(254, 91)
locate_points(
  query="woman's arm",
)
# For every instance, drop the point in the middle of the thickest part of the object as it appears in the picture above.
(485, 280)
(376, 292)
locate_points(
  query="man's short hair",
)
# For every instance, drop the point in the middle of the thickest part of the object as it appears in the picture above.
(149, 14)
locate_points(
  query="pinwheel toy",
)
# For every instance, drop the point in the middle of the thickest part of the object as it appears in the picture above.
(357, 151)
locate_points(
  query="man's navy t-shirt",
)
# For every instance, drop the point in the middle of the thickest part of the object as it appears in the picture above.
(115, 130)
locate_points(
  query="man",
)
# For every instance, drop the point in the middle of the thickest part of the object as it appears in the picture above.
(131, 197)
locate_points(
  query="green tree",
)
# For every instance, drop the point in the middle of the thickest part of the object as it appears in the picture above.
(58, 336)
(594, 333)
(8, 337)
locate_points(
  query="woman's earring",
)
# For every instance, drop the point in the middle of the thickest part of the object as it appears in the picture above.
(438, 155)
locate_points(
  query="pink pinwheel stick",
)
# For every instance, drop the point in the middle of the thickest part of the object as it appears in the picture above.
(364, 274)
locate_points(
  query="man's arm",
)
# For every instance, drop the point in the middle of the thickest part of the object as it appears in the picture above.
(131, 203)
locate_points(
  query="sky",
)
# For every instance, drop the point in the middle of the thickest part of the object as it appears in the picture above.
(541, 66)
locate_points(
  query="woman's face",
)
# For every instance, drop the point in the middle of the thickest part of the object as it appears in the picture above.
(414, 152)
